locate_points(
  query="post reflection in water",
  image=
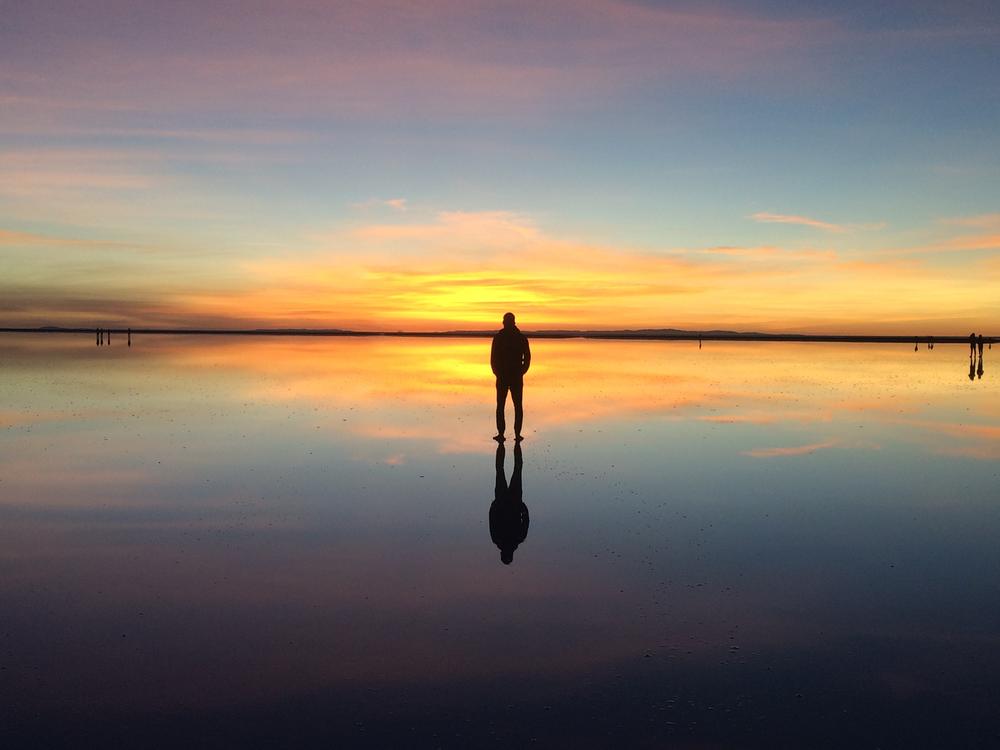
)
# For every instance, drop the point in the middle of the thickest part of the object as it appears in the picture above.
(976, 363)
(508, 513)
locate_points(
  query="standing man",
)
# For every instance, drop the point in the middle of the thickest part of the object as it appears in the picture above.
(510, 358)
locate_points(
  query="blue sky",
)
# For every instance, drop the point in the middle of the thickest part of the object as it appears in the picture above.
(154, 158)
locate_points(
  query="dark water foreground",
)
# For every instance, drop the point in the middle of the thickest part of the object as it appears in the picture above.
(288, 543)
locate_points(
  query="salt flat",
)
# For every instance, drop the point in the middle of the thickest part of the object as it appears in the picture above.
(225, 541)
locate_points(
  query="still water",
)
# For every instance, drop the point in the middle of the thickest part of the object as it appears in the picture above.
(233, 541)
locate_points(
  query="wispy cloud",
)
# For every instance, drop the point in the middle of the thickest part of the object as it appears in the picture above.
(772, 252)
(398, 204)
(980, 221)
(765, 217)
(969, 233)
(367, 60)
(25, 239)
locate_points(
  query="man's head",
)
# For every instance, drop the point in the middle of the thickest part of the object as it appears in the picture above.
(508, 320)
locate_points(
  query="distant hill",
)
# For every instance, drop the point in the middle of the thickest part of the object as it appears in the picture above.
(652, 334)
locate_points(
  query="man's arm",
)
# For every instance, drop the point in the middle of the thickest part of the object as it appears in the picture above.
(525, 357)
(494, 363)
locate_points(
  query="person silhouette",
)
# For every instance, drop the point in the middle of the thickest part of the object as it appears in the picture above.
(979, 345)
(508, 513)
(510, 358)
(972, 344)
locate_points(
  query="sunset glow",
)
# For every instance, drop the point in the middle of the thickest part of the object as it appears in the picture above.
(601, 164)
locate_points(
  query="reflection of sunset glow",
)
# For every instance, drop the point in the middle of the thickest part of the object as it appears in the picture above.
(342, 486)
(442, 389)
(389, 396)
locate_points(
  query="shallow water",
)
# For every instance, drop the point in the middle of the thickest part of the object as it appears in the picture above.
(219, 541)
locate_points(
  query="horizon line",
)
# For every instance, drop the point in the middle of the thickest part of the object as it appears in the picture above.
(640, 334)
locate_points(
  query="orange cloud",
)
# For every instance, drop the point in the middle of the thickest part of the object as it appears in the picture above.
(453, 270)
(772, 252)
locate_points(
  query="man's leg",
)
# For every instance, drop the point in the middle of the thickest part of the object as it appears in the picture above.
(516, 392)
(501, 402)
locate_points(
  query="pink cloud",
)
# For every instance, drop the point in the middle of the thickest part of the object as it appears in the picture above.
(420, 59)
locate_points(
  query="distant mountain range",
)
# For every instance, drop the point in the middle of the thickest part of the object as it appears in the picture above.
(661, 334)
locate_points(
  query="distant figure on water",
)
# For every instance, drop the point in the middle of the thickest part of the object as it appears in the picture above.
(972, 344)
(508, 513)
(510, 358)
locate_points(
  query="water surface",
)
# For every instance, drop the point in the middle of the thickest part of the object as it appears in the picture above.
(225, 541)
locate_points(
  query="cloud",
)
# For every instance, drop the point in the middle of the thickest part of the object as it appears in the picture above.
(772, 252)
(418, 270)
(439, 58)
(398, 204)
(980, 221)
(25, 239)
(769, 218)
(764, 217)
(987, 237)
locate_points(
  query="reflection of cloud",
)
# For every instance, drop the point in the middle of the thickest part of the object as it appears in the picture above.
(771, 416)
(980, 441)
(797, 450)
(446, 440)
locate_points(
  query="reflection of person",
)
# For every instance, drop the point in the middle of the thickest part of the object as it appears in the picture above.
(979, 369)
(510, 358)
(972, 368)
(508, 513)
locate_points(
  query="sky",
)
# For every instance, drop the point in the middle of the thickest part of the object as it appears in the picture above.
(828, 167)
